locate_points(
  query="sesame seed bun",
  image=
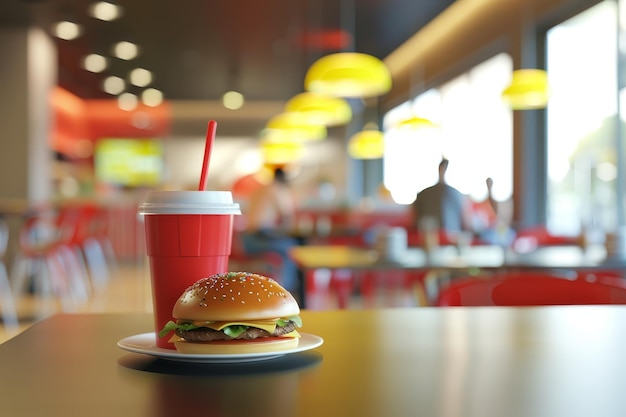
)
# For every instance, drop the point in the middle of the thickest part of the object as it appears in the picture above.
(235, 296)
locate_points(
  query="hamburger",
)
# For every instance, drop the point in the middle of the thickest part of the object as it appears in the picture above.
(234, 312)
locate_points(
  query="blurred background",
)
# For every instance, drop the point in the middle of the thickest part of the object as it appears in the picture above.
(104, 101)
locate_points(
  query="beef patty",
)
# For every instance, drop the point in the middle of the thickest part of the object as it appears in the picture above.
(204, 334)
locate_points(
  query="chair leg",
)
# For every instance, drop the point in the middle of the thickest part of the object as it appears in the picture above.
(61, 282)
(343, 284)
(75, 271)
(317, 288)
(19, 275)
(96, 264)
(9, 313)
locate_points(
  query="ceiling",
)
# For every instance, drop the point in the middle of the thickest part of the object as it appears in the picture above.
(198, 49)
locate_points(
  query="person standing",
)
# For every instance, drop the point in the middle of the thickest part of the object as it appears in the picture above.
(443, 205)
(490, 224)
(270, 217)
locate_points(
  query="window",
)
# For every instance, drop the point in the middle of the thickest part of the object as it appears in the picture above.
(474, 130)
(581, 118)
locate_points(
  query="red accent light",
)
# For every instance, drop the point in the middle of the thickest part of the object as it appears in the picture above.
(323, 39)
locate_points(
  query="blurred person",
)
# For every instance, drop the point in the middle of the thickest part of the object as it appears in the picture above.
(270, 217)
(489, 223)
(442, 204)
(485, 211)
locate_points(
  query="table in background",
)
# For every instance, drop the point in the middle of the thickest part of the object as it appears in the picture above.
(451, 259)
(471, 362)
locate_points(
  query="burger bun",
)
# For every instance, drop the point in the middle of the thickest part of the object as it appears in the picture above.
(221, 347)
(235, 296)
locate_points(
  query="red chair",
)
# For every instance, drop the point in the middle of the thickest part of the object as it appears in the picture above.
(47, 265)
(85, 231)
(519, 289)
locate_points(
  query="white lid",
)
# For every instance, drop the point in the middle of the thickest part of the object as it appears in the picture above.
(189, 202)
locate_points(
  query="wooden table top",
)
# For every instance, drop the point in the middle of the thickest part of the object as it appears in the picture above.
(470, 362)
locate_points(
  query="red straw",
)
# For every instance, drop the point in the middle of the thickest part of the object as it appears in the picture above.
(210, 137)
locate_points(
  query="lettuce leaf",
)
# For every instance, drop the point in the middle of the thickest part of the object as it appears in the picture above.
(171, 325)
(296, 319)
(233, 331)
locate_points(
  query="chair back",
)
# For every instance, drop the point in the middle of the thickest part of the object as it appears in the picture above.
(529, 290)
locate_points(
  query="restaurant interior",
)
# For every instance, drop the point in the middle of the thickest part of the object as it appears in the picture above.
(525, 92)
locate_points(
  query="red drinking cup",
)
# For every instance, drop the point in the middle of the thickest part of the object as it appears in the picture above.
(188, 237)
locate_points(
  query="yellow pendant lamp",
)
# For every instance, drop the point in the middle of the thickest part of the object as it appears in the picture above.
(320, 108)
(280, 152)
(294, 126)
(415, 123)
(528, 90)
(367, 144)
(348, 74)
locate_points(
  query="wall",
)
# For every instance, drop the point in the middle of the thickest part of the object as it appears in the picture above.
(233, 157)
(25, 83)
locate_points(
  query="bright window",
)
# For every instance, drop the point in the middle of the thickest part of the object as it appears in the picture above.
(474, 130)
(581, 64)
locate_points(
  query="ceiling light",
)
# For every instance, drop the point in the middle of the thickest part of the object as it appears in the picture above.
(151, 97)
(281, 152)
(528, 90)
(321, 108)
(348, 74)
(127, 101)
(233, 100)
(125, 50)
(367, 144)
(105, 10)
(67, 30)
(94, 63)
(113, 85)
(140, 77)
(295, 126)
(414, 123)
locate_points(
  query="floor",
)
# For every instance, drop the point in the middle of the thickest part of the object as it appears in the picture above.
(128, 290)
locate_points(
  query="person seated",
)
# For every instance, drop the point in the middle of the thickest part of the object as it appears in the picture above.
(269, 219)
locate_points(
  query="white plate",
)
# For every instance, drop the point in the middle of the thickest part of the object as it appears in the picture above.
(145, 343)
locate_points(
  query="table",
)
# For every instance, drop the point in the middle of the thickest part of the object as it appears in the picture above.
(451, 259)
(461, 362)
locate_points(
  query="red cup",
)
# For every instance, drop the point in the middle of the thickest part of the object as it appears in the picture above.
(188, 237)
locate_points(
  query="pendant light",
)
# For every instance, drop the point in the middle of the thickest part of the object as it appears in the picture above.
(528, 90)
(348, 74)
(320, 108)
(280, 152)
(369, 143)
(294, 126)
(529, 87)
(415, 123)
